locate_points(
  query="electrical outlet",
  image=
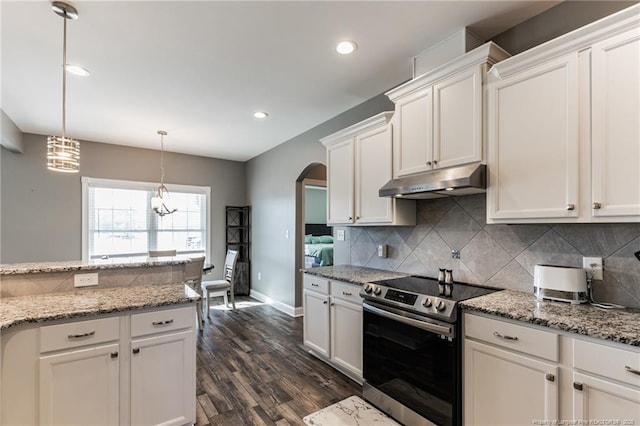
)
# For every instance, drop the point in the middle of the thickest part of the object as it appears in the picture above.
(382, 250)
(340, 235)
(455, 254)
(85, 280)
(593, 266)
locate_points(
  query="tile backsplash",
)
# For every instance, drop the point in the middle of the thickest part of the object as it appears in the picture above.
(501, 256)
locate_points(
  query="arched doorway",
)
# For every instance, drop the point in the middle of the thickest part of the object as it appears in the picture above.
(311, 182)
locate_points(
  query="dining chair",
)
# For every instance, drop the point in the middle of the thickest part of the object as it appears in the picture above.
(218, 288)
(193, 278)
(161, 253)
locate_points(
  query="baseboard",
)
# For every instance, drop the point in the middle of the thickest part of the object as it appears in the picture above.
(282, 307)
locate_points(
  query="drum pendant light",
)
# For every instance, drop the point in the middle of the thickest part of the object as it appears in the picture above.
(63, 153)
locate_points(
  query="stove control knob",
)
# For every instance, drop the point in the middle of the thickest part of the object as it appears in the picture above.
(440, 306)
(427, 302)
(368, 288)
(377, 291)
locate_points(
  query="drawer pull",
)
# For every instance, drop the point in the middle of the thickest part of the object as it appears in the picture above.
(632, 370)
(347, 293)
(315, 285)
(504, 336)
(577, 386)
(114, 355)
(158, 323)
(80, 336)
(571, 206)
(136, 350)
(325, 302)
(550, 377)
(597, 206)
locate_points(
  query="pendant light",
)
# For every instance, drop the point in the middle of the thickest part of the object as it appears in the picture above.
(160, 202)
(63, 154)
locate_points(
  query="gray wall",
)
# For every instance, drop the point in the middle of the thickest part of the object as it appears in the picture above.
(315, 205)
(41, 209)
(271, 191)
(560, 19)
(500, 255)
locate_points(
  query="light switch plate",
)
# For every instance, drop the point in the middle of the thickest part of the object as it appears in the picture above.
(85, 280)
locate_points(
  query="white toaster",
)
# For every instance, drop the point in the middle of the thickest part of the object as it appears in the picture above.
(561, 283)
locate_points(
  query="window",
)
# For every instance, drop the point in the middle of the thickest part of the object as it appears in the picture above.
(117, 220)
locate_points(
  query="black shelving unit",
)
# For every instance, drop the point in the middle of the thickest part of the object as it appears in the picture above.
(238, 228)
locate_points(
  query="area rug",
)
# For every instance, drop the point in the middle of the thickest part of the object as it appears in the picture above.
(352, 411)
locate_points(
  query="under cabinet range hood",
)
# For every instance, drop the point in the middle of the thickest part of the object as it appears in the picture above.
(453, 181)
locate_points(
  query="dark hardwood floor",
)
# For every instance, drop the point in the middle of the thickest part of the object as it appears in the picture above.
(251, 370)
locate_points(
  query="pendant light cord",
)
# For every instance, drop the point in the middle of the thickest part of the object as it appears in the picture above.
(64, 79)
(162, 133)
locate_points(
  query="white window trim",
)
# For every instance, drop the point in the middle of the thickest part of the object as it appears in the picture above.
(88, 182)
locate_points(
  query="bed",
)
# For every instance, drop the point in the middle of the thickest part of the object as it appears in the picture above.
(318, 246)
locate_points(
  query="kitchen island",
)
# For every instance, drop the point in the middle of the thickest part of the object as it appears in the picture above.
(121, 352)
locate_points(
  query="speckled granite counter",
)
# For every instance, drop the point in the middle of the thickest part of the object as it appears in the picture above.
(55, 306)
(354, 274)
(622, 326)
(78, 265)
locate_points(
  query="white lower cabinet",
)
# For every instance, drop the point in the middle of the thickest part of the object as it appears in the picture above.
(80, 386)
(522, 375)
(333, 323)
(510, 377)
(120, 370)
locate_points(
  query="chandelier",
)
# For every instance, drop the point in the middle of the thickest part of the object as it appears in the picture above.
(63, 153)
(160, 202)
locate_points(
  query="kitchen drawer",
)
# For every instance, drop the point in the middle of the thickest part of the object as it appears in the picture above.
(79, 333)
(350, 292)
(607, 361)
(319, 284)
(524, 339)
(162, 321)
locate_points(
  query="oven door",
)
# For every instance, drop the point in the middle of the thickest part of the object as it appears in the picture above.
(412, 360)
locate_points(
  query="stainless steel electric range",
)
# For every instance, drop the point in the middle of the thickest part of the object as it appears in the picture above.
(412, 348)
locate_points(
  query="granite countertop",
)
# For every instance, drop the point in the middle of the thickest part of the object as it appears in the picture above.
(78, 265)
(15, 311)
(354, 274)
(617, 325)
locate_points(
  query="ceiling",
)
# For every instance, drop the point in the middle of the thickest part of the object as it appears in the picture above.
(199, 70)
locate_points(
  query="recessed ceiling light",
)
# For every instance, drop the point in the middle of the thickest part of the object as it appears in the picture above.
(346, 47)
(75, 69)
(260, 114)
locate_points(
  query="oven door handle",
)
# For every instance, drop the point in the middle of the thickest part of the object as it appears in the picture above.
(423, 324)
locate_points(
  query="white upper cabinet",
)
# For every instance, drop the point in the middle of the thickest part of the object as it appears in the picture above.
(359, 163)
(340, 182)
(563, 133)
(615, 139)
(438, 119)
(533, 158)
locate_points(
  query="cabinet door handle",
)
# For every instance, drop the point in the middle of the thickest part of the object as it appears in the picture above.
(550, 377)
(435, 162)
(158, 323)
(332, 304)
(577, 386)
(136, 350)
(114, 354)
(315, 285)
(571, 206)
(325, 302)
(504, 336)
(428, 163)
(632, 370)
(357, 217)
(347, 293)
(597, 206)
(80, 336)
